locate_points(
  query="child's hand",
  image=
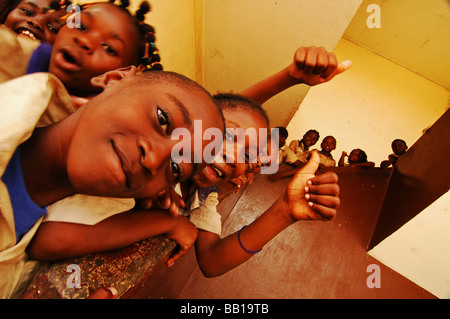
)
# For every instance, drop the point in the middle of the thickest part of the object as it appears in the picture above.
(312, 197)
(185, 234)
(313, 65)
(171, 200)
(385, 164)
(78, 101)
(166, 199)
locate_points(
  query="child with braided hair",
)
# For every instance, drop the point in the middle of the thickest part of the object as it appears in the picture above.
(107, 38)
(104, 37)
(37, 19)
(29, 24)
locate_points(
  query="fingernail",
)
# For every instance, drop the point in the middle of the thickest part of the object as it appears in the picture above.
(306, 189)
(310, 204)
(171, 264)
(307, 196)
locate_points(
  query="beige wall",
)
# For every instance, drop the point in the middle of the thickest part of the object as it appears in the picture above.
(370, 105)
(419, 250)
(367, 107)
(176, 33)
(246, 41)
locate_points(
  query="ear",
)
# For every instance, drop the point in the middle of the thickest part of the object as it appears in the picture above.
(112, 77)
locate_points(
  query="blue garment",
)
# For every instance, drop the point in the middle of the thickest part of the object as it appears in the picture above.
(40, 59)
(26, 212)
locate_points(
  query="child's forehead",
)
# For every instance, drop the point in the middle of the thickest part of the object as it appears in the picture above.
(105, 9)
(311, 134)
(39, 3)
(398, 143)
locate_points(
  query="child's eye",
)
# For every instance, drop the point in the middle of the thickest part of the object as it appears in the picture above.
(163, 120)
(82, 27)
(52, 29)
(27, 12)
(229, 137)
(175, 170)
(109, 49)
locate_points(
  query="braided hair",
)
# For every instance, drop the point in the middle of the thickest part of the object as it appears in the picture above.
(56, 5)
(149, 58)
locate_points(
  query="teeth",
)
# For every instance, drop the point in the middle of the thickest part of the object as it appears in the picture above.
(219, 173)
(28, 33)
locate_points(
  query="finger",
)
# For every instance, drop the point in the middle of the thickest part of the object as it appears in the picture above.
(325, 178)
(322, 212)
(322, 61)
(323, 200)
(182, 250)
(144, 203)
(311, 60)
(323, 189)
(300, 57)
(174, 209)
(312, 165)
(104, 293)
(342, 67)
(78, 101)
(331, 67)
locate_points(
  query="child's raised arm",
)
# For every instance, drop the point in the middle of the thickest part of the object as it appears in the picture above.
(311, 66)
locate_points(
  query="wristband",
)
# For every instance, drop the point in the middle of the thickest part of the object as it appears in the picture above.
(239, 239)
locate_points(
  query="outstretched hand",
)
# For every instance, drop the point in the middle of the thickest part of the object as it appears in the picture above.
(311, 197)
(315, 65)
(185, 234)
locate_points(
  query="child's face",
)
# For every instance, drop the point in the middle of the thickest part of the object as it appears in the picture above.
(310, 139)
(328, 144)
(354, 156)
(231, 167)
(121, 145)
(106, 40)
(399, 148)
(30, 19)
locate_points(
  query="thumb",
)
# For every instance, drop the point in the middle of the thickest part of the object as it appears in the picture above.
(312, 165)
(344, 66)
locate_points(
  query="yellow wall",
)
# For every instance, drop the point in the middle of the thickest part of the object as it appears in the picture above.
(176, 25)
(367, 107)
(246, 41)
(370, 105)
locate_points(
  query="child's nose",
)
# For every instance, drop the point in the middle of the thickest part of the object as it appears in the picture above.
(153, 156)
(84, 43)
(35, 24)
(229, 155)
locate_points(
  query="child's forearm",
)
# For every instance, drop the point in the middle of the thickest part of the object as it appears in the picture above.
(341, 160)
(60, 240)
(217, 256)
(269, 87)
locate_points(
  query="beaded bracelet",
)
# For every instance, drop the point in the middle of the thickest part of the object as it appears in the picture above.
(239, 238)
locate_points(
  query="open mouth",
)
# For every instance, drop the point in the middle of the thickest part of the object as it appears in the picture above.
(67, 60)
(28, 33)
(219, 173)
